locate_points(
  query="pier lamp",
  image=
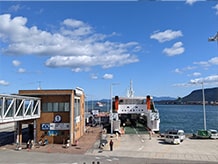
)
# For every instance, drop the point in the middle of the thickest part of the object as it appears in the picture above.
(203, 95)
(205, 127)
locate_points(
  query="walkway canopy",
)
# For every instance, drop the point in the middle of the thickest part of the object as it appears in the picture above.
(18, 108)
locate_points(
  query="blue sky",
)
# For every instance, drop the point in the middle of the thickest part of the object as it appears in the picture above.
(161, 46)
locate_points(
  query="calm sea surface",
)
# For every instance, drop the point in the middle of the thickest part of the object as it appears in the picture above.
(190, 118)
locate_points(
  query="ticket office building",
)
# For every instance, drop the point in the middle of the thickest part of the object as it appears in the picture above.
(62, 115)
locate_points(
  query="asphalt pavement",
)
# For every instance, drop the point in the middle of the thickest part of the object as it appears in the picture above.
(127, 149)
(140, 146)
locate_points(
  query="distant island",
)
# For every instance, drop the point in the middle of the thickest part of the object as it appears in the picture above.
(195, 98)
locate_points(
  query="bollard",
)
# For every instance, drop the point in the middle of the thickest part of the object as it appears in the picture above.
(98, 162)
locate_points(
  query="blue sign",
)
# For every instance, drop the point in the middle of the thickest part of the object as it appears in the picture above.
(45, 126)
(53, 133)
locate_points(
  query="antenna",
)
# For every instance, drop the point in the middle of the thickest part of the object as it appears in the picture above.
(39, 87)
(130, 92)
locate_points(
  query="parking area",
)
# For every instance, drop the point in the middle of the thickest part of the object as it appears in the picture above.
(139, 145)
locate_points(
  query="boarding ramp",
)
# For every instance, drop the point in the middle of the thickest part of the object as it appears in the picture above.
(18, 108)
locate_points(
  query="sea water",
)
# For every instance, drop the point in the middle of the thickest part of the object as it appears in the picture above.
(190, 118)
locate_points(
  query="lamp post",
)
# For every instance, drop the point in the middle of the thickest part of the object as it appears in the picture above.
(111, 109)
(203, 102)
(205, 127)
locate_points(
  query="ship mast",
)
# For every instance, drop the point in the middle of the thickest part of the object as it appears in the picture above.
(130, 92)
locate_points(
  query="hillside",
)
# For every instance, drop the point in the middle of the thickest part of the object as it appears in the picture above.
(211, 94)
(196, 97)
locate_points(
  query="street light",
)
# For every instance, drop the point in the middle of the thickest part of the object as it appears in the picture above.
(205, 127)
(203, 97)
(111, 110)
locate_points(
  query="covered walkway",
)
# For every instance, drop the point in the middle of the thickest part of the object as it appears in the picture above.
(21, 110)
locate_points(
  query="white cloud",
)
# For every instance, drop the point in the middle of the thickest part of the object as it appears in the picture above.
(176, 49)
(3, 82)
(206, 80)
(177, 70)
(196, 74)
(181, 70)
(21, 70)
(82, 62)
(94, 76)
(210, 62)
(190, 2)
(76, 45)
(209, 80)
(15, 8)
(213, 61)
(216, 8)
(108, 76)
(16, 63)
(166, 35)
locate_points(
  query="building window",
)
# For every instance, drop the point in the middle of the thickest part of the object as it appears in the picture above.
(76, 109)
(56, 107)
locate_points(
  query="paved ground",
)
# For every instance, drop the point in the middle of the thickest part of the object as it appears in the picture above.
(85, 143)
(156, 148)
(130, 149)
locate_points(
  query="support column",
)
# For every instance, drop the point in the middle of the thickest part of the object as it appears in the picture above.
(16, 136)
(20, 133)
(34, 131)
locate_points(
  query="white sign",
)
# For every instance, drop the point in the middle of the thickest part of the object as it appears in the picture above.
(77, 119)
(95, 112)
(59, 126)
(57, 118)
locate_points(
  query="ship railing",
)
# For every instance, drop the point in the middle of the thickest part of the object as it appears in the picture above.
(154, 115)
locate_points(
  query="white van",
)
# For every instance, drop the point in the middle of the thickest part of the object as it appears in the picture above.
(180, 133)
(213, 134)
(172, 139)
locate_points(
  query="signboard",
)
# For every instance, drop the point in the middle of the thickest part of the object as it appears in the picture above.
(57, 118)
(95, 112)
(45, 126)
(55, 126)
(77, 119)
(59, 126)
(53, 133)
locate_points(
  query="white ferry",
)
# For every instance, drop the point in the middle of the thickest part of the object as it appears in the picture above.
(132, 109)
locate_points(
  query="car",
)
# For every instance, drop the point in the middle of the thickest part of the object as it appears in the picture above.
(180, 133)
(202, 134)
(213, 134)
(172, 139)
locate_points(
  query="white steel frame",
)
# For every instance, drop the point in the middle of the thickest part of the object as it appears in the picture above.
(17, 108)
